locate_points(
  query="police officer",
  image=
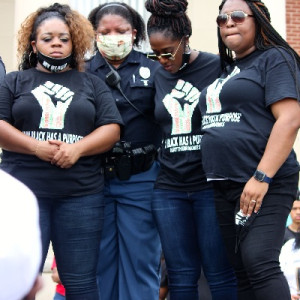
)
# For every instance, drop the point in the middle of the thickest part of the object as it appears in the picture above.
(128, 266)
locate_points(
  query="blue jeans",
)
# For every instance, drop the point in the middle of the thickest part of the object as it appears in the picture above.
(58, 296)
(257, 260)
(191, 238)
(129, 260)
(74, 225)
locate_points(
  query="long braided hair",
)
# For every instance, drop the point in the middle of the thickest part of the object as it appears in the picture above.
(266, 35)
(169, 17)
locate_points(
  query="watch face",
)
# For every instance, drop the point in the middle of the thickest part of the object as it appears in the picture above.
(259, 175)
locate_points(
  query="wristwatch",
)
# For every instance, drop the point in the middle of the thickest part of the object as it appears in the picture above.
(261, 176)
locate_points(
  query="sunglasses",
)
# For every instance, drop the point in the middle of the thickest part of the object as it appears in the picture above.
(169, 56)
(237, 16)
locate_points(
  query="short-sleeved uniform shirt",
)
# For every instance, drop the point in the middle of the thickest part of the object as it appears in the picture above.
(137, 74)
(236, 115)
(177, 112)
(64, 106)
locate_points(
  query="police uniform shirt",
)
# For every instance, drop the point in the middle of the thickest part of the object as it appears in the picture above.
(236, 115)
(62, 106)
(137, 83)
(177, 112)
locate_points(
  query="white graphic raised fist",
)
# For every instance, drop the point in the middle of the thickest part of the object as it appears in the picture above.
(53, 115)
(182, 115)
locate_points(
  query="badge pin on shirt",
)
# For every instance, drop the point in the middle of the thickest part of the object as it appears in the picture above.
(145, 74)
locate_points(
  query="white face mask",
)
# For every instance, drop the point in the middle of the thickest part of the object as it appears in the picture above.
(114, 47)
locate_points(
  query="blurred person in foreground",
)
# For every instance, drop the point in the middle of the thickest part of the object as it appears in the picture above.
(21, 249)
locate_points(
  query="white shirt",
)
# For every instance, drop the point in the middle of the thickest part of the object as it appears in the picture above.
(290, 265)
(20, 250)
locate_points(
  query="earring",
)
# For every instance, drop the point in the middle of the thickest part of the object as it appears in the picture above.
(30, 57)
(187, 49)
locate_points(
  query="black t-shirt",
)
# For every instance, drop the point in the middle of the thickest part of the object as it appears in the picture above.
(288, 235)
(63, 106)
(137, 74)
(176, 110)
(236, 115)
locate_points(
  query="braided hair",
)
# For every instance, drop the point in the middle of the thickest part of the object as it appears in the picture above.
(266, 35)
(123, 10)
(169, 17)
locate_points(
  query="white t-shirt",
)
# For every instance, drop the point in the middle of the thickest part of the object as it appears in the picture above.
(21, 250)
(290, 265)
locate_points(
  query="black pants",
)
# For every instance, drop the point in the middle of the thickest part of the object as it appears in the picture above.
(256, 262)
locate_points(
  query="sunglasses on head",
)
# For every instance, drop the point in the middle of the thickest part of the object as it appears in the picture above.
(237, 16)
(169, 56)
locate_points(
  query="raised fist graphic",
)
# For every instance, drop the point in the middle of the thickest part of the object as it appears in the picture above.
(187, 94)
(53, 115)
(213, 103)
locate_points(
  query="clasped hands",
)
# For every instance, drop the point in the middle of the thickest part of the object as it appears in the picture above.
(58, 153)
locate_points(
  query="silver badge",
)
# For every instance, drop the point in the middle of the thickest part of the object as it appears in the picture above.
(145, 73)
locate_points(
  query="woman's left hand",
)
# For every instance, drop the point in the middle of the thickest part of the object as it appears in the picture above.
(252, 196)
(66, 156)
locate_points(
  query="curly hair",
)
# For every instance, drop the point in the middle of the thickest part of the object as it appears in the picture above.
(123, 10)
(81, 32)
(266, 35)
(169, 17)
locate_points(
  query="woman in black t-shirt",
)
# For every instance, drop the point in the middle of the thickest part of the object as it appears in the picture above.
(54, 123)
(183, 204)
(250, 119)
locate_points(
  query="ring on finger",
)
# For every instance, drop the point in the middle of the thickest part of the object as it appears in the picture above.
(254, 201)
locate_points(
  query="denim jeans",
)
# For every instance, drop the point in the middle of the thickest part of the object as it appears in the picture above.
(129, 260)
(58, 296)
(74, 225)
(256, 262)
(191, 238)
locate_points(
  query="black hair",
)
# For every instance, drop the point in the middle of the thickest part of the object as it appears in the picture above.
(266, 35)
(123, 10)
(169, 17)
(296, 244)
(80, 29)
(297, 237)
(54, 11)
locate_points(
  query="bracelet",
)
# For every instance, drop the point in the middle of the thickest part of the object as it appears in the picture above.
(37, 148)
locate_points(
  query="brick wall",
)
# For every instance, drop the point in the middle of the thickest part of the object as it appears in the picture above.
(293, 23)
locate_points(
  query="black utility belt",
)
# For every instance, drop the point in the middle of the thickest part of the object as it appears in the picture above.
(122, 161)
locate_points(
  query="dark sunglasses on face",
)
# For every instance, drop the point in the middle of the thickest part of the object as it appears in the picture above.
(237, 16)
(169, 56)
